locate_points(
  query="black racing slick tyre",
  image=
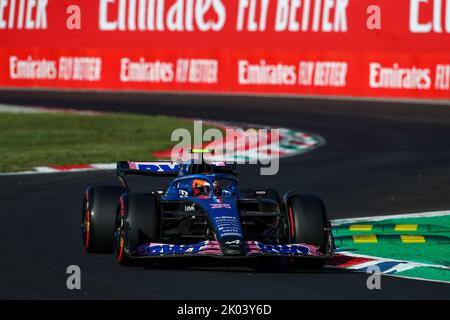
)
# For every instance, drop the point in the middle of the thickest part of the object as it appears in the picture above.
(308, 223)
(138, 222)
(98, 217)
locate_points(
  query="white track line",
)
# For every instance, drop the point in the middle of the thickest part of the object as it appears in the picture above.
(410, 265)
(10, 108)
(49, 170)
(418, 264)
(337, 222)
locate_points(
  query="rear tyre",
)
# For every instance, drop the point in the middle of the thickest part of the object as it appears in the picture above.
(308, 223)
(98, 217)
(138, 222)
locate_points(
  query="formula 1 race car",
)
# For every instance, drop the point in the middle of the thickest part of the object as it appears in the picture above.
(203, 213)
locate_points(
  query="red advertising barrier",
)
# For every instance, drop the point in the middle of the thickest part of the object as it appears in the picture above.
(298, 47)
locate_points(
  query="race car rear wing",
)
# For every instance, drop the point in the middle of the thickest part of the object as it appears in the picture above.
(156, 169)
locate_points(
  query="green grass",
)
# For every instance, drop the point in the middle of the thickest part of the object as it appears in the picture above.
(30, 140)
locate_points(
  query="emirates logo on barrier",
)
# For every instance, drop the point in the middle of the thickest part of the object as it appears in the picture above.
(311, 47)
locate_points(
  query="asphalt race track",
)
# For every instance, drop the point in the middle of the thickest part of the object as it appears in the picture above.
(378, 159)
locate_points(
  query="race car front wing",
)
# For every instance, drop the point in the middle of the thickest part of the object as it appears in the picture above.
(212, 248)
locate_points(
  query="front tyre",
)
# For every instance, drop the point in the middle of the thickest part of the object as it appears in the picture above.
(137, 222)
(98, 217)
(308, 223)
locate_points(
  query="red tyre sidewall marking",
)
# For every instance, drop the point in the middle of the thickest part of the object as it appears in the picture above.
(87, 221)
(291, 222)
(121, 240)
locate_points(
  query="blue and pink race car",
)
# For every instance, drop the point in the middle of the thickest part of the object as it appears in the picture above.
(202, 212)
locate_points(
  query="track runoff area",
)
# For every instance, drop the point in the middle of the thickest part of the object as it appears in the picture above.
(415, 245)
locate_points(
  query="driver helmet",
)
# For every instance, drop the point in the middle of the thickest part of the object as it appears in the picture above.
(200, 188)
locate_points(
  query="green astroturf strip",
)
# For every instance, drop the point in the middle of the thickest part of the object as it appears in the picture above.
(434, 230)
